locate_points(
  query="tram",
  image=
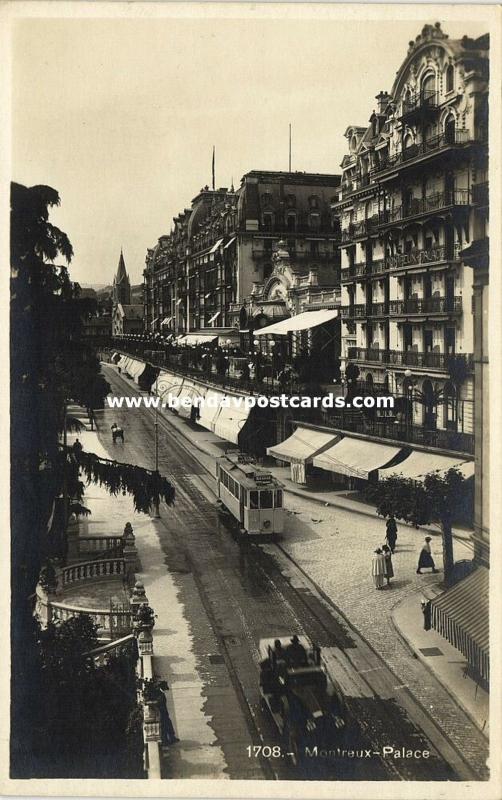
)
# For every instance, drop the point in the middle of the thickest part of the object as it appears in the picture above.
(251, 495)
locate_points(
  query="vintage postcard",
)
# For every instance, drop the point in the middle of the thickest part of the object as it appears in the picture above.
(253, 339)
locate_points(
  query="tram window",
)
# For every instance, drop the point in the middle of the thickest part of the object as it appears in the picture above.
(266, 500)
(278, 498)
(253, 499)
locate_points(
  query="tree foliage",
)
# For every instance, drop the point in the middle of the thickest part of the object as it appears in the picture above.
(85, 712)
(437, 499)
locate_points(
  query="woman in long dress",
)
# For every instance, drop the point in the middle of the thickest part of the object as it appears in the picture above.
(378, 568)
(389, 569)
(426, 559)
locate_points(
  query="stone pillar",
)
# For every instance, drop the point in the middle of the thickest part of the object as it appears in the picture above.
(129, 553)
(138, 597)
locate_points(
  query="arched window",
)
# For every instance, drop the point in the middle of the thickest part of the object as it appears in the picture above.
(449, 129)
(450, 76)
(428, 88)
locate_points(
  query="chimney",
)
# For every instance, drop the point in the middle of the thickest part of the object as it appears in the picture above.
(382, 100)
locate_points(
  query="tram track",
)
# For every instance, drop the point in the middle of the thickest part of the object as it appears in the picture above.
(313, 612)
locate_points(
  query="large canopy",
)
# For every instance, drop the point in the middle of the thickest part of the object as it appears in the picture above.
(300, 322)
(461, 616)
(197, 338)
(302, 446)
(419, 464)
(356, 457)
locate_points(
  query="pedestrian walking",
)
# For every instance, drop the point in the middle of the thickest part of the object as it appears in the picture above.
(378, 568)
(391, 533)
(425, 560)
(389, 570)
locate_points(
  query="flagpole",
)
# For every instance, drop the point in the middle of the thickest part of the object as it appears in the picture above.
(214, 186)
(290, 146)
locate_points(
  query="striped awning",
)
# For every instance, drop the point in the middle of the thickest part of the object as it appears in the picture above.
(461, 616)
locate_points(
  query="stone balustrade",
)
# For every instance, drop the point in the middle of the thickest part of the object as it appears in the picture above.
(92, 570)
(87, 545)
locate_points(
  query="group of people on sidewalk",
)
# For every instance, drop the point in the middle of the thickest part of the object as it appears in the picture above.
(382, 568)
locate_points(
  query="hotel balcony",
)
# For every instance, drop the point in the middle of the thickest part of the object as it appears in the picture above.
(426, 150)
(398, 431)
(408, 358)
(424, 206)
(432, 255)
(354, 311)
(363, 270)
(354, 186)
(426, 305)
(419, 106)
(377, 309)
(360, 230)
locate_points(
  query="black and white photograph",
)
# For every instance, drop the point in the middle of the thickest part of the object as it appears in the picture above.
(249, 335)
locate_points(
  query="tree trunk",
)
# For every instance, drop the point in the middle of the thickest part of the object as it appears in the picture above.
(448, 561)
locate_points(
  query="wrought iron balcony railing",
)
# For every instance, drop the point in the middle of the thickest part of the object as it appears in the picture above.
(426, 305)
(435, 144)
(430, 255)
(349, 312)
(425, 205)
(409, 358)
(428, 100)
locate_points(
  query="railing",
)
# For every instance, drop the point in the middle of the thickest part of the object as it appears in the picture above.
(377, 309)
(87, 545)
(427, 305)
(424, 205)
(402, 432)
(427, 99)
(363, 269)
(434, 144)
(362, 228)
(92, 570)
(107, 621)
(429, 256)
(354, 311)
(409, 358)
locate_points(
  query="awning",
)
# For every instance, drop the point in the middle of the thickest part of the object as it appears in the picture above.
(232, 240)
(166, 321)
(300, 322)
(215, 316)
(461, 615)
(168, 385)
(210, 409)
(419, 464)
(215, 246)
(198, 338)
(231, 419)
(302, 446)
(152, 323)
(189, 392)
(356, 457)
(135, 368)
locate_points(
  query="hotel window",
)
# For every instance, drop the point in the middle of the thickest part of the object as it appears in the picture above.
(291, 222)
(268, 222)
(314, 221)
(450, 75)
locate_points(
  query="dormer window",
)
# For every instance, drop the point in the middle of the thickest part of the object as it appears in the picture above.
(353, 143)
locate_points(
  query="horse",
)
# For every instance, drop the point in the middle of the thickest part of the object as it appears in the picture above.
(117, 433)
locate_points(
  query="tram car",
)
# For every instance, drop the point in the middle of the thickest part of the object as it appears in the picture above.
(251, 495)
(307, 706)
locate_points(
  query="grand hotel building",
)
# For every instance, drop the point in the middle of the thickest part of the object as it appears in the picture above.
(414, 196)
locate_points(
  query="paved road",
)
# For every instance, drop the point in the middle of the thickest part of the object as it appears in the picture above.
(244, 594)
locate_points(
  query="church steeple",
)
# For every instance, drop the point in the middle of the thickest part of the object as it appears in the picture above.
(121, 285)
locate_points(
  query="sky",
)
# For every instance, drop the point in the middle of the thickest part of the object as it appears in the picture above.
(121, 115)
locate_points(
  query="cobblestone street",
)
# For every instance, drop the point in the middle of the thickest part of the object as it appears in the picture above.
(334, 547)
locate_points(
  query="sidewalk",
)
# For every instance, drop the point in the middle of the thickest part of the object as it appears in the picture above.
(446, 663)
(198, 754)
(332, 540)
